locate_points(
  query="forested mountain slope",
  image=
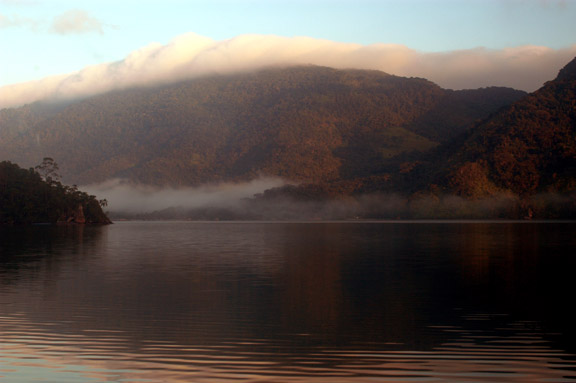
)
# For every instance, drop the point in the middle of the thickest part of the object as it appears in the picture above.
(526, 148)
(519, 162)
(305, 124)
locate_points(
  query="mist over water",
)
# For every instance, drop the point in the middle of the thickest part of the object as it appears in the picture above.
(270, 198)
(124, 196)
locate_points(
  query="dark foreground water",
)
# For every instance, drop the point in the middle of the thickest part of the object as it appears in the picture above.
(288, 302)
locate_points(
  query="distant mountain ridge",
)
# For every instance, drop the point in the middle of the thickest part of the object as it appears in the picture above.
(305, 124)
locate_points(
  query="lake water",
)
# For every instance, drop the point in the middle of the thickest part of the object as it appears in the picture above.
(289, 302)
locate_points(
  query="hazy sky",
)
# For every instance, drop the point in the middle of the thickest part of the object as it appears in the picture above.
(41, 38)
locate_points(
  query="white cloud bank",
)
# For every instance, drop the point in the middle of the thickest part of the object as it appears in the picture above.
(190, 55)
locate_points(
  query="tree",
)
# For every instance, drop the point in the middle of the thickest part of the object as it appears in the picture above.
(49, 170)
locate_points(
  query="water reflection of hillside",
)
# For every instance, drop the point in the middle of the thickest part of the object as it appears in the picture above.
(279, 294)
(327, 285)
(29, 251)
(522, 268)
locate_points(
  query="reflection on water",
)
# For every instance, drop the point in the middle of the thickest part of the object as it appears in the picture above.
(287, 302)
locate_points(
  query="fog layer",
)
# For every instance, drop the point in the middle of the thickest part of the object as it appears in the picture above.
(125, 197)
(252, 201)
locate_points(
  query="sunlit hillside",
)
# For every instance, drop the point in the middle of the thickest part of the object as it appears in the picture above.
(304, 124)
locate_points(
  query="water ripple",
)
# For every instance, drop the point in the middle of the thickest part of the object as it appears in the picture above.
(105, 355)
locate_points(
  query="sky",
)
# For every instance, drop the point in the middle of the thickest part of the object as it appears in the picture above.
(75, 48)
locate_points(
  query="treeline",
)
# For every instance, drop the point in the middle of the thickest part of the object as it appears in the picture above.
(25, 198)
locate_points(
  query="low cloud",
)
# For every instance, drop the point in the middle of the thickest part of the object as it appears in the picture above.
(191, 55)
(76, 21)
(125, 197)
(16, 21)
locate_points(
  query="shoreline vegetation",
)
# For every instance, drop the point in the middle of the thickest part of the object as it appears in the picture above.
(36, 196)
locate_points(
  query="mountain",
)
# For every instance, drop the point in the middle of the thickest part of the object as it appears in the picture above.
(518, 162)
(526, 148)
(305, 124)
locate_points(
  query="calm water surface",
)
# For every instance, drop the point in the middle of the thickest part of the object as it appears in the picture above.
(288, 302)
